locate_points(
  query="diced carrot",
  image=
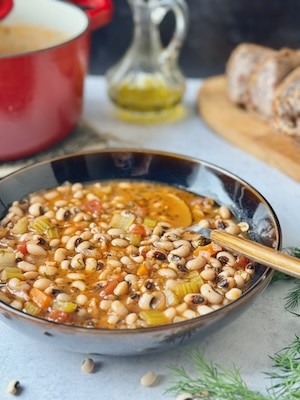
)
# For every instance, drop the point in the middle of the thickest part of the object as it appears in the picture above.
(60, 316)
(142, 270)
(209, 250)
(109, 288)
(40, 298)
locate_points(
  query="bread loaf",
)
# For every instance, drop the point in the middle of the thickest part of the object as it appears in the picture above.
(286, 105)
(266, 77)
(243, 59)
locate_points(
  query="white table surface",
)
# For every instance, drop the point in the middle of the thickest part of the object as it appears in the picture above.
(47, 373)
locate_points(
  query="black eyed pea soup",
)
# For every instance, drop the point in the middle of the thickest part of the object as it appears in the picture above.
(116, 255)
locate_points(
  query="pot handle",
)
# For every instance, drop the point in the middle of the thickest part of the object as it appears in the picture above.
(5, 7)
(99, 11)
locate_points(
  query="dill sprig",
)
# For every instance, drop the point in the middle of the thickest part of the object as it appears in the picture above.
(293, 296)
(211, 381)
(286, 373)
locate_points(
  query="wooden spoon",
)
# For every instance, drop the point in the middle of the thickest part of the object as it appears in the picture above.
(254, 251)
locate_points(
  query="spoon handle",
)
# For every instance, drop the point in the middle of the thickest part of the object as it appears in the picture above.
(257, 252)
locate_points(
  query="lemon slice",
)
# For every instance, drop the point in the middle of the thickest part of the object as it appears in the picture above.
(172, 209)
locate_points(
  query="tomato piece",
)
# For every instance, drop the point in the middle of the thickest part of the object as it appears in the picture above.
(60, 316)
(93, 206)
(242, 261)
(138, 229)
(22, 247)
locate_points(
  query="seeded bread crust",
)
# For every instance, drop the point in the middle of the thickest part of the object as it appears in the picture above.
(266, 77)
(243, 59)
(286, 105)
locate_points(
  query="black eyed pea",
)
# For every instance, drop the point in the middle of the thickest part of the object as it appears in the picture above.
(215, 263)
(36, 250)
(196, 263)
(118, 242)
(212, 296)
(17, 304)
(182, 248)
(233, 228)
(131, 319)
(77, 262)
(189, 314)
(88, 365)
(60, 254)
(167, 273)
(121, 288)
(119, 309)
(250, 269)
(239, 281)
(149, 378)
(27, 266)
(35, 209)
(224, 212)
(244, 226)
(208, 274)
(70, 244)
(226, 258)
(14, 387)
(225, 282)
(193, 299)
(204, 309)
(233, 294)
(185, 396)
(42, 283)
(82, 246)
(152, 301)
(17, 284)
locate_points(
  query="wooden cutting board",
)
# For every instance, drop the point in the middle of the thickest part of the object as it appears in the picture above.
(245, 130)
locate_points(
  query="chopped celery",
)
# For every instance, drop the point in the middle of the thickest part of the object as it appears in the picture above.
(11, 272)
(53, 233)
(31, 308)
(187, 287)
(66, 306)
(150, 222)
(20, 226)
(7, 258)
(154, 317)
(41, 225)
(135, 239)
(44, 226)
(122, 221)
(194, 276)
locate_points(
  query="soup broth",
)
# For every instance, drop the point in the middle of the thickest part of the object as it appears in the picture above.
(24, 38)
(117, 255)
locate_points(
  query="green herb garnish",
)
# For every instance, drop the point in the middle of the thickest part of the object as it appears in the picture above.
(213, 382)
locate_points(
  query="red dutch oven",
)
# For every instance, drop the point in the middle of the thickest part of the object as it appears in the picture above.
(41, 92)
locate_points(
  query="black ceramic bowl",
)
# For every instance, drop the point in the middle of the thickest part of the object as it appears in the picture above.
(191, 174)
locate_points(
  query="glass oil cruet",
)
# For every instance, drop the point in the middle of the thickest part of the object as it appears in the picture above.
(147, 81)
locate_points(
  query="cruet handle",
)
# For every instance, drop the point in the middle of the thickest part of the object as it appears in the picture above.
(180, 10)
